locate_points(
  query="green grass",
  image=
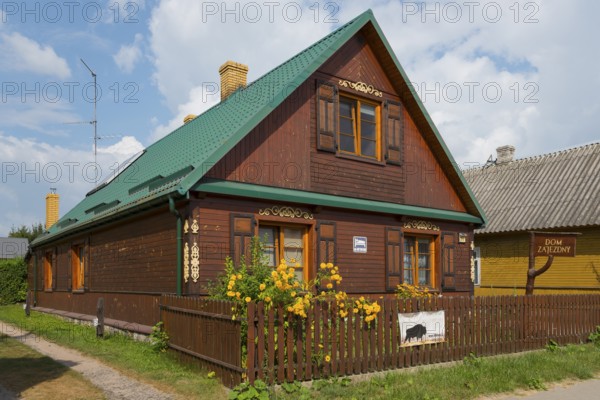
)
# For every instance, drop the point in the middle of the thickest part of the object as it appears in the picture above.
(470, 379)
(32, 375)
(131, 357)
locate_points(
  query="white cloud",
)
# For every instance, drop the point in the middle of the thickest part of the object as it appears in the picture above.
(20, 53)
(547, 75)
(188, 44)
(129, 55)
(30, 168)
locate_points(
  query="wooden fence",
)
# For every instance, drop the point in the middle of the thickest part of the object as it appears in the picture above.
(325, 345)
(202, 330)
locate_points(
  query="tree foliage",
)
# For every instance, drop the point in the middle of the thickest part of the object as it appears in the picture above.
(30, 233)
(13, 281)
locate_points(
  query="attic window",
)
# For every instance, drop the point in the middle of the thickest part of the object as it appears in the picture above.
(359, 128)
(367, 129)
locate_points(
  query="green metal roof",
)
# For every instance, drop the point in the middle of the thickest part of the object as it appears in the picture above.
(320, 199)
(177, 162)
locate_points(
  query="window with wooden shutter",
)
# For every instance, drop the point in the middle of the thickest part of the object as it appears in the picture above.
(242, 231)
(326, 251)
(48, 270)
(394, 132)
(448, 254)
(393, 258)
(327, 99)
(78, 267)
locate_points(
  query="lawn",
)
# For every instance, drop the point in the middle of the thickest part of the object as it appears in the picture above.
(133, 358)
(32, 375)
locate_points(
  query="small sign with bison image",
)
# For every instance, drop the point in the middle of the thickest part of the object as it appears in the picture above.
(421, 328)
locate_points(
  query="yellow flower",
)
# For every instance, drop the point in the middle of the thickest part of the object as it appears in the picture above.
(232, 277)
(290, 309)
(291, 271)
(362, 298)
(320, 346)
(292, 260)
(323, 265)
(293, 294)
(238, 294)
(239, 276)
(248, 299)
(262, 286)
(296, 284)
(329, 265)
(230, 293)
(355, 310)
(274, 274)
(330, 286)
(327, 358)
(268, 299)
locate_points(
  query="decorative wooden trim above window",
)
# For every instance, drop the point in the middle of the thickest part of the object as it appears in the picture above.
(361, 87)
(421, 225)
(286, 212)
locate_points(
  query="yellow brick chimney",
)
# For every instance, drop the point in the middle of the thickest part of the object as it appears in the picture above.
(233, 76)
(52, 202)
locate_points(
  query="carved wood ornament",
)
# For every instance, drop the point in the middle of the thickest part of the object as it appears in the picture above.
(422, 225)
(361, 87)
(287, 212)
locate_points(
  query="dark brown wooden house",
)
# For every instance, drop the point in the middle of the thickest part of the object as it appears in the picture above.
(331, 155)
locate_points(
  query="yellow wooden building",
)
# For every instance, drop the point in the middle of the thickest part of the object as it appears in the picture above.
(556, 192)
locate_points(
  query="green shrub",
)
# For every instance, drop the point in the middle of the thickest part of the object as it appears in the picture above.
(13, 281)
(595, 337)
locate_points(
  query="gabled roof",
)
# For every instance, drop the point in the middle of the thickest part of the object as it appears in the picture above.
(174, 164)
(558, 190)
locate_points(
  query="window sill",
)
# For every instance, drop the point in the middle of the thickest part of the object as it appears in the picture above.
(78, 291)
(359, 158)
(48, 290)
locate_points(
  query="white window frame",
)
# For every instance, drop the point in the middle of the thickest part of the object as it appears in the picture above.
(476, 266)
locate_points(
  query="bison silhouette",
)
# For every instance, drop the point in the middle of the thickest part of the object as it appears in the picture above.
(417, 332)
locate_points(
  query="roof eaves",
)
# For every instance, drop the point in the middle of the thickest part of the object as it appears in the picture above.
(298, 196)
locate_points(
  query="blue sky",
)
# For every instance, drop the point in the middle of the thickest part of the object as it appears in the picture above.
(490, 73)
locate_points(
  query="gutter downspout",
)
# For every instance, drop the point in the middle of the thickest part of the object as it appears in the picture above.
(179, 228)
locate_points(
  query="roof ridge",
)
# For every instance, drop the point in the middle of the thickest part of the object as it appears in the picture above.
(534, 157)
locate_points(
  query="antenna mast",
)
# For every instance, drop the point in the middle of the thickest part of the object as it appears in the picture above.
(94, 121)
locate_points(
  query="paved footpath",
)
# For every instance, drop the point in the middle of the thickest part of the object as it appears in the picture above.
(581, 390)
(115, 385)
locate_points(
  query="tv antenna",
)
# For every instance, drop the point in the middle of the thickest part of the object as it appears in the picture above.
(93, 122)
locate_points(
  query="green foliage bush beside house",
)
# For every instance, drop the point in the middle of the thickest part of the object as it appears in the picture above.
(13, 281)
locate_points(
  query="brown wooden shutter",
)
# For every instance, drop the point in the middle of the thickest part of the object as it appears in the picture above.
(394, 132)
(326, 249)
(86, 264)
(54, 275)
(242, 231)
(393, 258)
(70, 269)
(448, 261)
(327, 99)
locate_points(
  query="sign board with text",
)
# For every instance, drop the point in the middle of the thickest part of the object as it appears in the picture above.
(554, 244)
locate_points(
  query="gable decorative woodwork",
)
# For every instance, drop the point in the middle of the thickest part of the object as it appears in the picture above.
(286, 212)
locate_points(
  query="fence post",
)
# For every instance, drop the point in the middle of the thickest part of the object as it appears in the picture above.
(100, 317)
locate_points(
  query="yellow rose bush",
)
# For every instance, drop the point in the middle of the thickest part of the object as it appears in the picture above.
(408, 291)
(254, 281)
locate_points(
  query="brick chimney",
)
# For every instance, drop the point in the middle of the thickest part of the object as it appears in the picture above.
(233, 76)
(505, 154)
(52, 202)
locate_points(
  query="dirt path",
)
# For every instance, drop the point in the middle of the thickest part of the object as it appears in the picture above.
(115, 385)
